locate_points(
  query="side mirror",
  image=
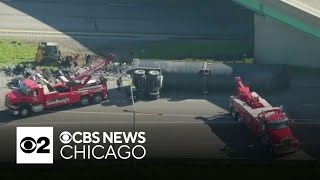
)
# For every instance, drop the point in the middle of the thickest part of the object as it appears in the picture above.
(281, 107)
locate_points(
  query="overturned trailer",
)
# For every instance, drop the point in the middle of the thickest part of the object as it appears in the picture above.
(147, 82)
(209, 77)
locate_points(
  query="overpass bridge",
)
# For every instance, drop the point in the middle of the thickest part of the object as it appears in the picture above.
(286, 31)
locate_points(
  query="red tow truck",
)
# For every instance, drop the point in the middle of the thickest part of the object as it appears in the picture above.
(269, 123)
(35, 97)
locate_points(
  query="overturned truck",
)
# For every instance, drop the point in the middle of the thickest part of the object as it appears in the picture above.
(211, 77)
(147, 82)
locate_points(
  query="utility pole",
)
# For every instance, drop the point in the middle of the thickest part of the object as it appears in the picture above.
(134, 110)
(134, 119)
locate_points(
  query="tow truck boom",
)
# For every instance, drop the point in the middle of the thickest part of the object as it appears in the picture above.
(98, 66)
(245, 95)
(83, 78)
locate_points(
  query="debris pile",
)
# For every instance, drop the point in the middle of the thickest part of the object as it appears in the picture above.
(29, 71)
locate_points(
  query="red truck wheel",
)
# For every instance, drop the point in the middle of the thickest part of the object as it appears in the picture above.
(84, 101)
(97, 98)
(24, 112)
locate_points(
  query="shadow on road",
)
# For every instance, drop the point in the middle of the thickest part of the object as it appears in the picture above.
(308, 136)
(5, 117)
(218, 99)
(239, 141)
(242, 143)
(140, 17)
(117, 98)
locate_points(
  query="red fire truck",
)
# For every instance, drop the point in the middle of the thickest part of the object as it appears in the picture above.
(269, 123)
(35, 97)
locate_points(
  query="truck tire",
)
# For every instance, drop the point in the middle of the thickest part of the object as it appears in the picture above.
(24, 111)
(84, 100)
(140, 72)
(97, 98)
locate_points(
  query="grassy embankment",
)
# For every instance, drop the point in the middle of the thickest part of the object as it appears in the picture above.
(15, 52)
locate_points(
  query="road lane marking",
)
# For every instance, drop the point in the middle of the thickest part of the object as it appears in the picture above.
(52, 32)
(139, 122)
(129, 113)
(119, 122)
(127, 5)
(166, 115)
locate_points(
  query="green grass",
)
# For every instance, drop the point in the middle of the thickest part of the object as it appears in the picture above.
(192, 50)
(15, 52)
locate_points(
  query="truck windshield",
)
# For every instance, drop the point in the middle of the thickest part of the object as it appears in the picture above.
(23, 89)
(278, 124)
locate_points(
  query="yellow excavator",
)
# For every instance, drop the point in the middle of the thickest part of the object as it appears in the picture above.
(48, 52)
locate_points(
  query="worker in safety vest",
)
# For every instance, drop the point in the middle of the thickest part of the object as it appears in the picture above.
(133, 87)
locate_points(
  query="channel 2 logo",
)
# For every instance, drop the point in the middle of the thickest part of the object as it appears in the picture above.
(34, 145)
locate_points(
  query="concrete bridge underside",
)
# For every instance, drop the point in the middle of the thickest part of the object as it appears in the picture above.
(286, 31)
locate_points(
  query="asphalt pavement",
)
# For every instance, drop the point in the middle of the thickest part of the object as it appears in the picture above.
(179, 125)
(187, 126)
(122, 17)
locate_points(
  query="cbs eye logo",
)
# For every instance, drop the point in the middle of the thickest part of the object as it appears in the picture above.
(29, 145)
(34, 145)
(65, 137)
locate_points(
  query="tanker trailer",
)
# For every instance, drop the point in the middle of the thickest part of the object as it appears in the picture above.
(212, 77)
(148, 82)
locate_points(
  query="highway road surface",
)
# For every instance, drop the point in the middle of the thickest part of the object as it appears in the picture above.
(310, 6)
(131, 18)
(177, 126)
(180, 127)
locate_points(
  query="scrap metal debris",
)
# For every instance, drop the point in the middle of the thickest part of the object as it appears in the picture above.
(29, 71)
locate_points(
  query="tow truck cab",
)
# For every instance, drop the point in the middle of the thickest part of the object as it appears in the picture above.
(33, 97)
(277, 130)
(27, 94)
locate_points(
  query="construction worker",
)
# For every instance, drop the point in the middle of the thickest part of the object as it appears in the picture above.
(119, 83)
(88, 59)
(39, 55)
(75, 60)
(133, 89)
(68, 61)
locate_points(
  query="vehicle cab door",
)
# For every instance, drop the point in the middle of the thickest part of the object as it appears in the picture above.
(36, 96)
